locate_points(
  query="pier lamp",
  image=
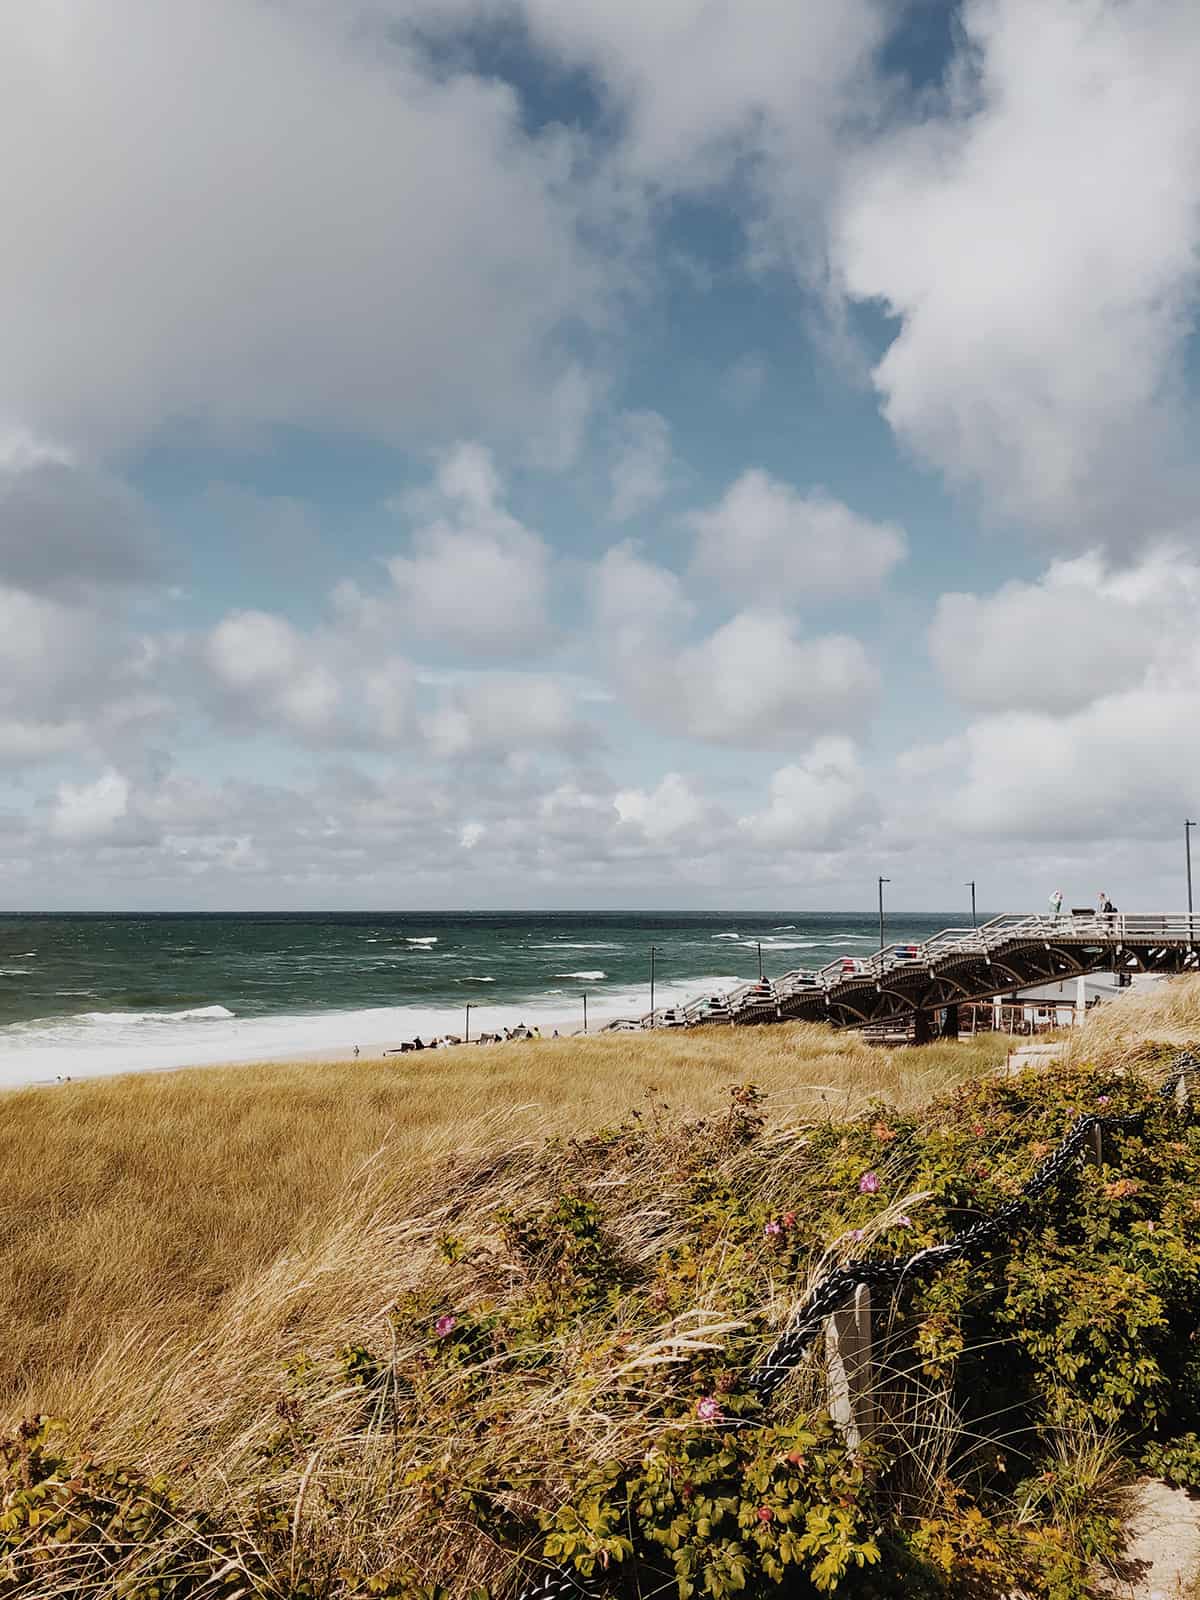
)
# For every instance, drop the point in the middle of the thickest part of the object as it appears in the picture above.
(882, 881)
(971, 886)
(1187, 845)
(467, 1038)
(654, 951)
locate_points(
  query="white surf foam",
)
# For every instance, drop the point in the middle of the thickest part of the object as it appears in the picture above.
(593, 977)
(432, 939)
(104, 1043)
(727, 936)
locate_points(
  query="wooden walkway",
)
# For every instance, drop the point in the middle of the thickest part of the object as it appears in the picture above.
(906, 984)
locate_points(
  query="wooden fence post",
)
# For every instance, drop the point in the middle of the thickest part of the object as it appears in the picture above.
(1093, 1150)
(848, 1342)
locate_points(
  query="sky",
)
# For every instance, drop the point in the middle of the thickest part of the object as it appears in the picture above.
(634, 453)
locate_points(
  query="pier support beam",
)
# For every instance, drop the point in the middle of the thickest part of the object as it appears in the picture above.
(922, 1026)
(950, 1023)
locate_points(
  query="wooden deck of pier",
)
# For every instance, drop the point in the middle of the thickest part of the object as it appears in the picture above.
(905, 985)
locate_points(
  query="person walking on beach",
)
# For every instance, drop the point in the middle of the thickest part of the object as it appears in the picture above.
(1056, 903)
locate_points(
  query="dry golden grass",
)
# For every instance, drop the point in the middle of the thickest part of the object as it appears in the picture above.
(136, 1210)
(1165, 1013)
(171, 1241)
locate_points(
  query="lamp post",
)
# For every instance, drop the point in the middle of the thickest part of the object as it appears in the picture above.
(654, 951)
(882, 881)
(971, 886)
(760, 960)
(585, 1011)
(1187, 845)
(467, 1039)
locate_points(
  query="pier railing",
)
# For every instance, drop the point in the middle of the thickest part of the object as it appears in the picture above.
(1109, 933)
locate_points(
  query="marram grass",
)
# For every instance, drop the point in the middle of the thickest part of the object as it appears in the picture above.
(377, 1329)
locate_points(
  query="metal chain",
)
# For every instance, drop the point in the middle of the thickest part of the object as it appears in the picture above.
(837, 1287)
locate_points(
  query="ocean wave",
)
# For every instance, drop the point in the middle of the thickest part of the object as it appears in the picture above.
(192, 1014)
(579, 944)
(431, 939)
(474, 980)
(785, 927)
(14, 972)
(593, 977)
(727, 936)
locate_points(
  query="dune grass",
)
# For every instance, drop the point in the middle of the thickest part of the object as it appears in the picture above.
(132, 1207)
(220, 1275)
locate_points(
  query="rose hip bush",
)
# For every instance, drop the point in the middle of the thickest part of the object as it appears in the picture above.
(569, 1380)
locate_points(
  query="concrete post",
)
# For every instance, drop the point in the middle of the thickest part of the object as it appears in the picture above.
(848, 1343)
(997, 1013)
(1080, 1000)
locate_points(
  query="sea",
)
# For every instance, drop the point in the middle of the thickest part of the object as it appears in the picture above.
(87, 995)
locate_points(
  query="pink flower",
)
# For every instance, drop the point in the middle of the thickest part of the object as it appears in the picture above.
(789, 1219)
(765, 1514)
(857, 1236)
(771, 1229)
(1103, 1100)
(868, 1183)
(707, 1409)
(445, 1325)
(904, 1222)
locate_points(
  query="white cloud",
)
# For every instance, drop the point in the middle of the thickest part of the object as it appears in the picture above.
(264, 669)
(100, 811)
(1125, 765)
(640, 470)
(1038, 241)
(321, 230)
(700, 85)
(66, 528)
(664, 812)
(501, 713)
(765, 540)
(1082, 631)
(815, 803)
(476, 580)
(753, 682)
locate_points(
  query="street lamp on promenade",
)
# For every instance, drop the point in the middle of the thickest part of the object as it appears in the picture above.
(654, 951)
(971, 886)
(882, 881)
(1187, 845)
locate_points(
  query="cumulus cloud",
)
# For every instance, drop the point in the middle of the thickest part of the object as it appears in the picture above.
(663, 812)
(1043, 282)
(642, 464)
(1090, 685)
(263, 668)
(814, 803)
(66, 528)
(323, 229)
(764, 539)
(498, 713)
(476, 579)
(753, 682)
(697, 87)
(100, 811)
(1081, 631)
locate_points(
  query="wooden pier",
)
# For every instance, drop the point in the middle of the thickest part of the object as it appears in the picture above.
(907, 985)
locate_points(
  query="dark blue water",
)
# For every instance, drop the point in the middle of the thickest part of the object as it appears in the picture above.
(96, 992)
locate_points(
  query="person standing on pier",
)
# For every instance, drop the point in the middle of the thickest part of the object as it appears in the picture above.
(1056, 903)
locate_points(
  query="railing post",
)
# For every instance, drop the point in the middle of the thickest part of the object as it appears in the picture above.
(848, 1342)
(1093, 1150)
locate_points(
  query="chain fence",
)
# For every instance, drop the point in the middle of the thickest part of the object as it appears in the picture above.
(838, 1287)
